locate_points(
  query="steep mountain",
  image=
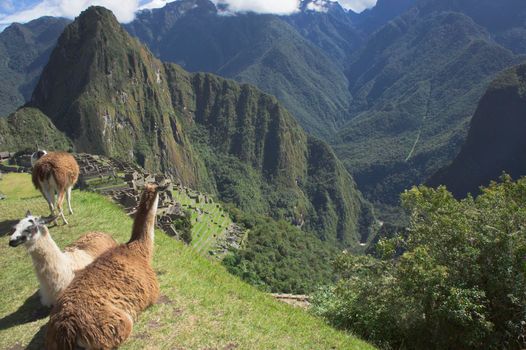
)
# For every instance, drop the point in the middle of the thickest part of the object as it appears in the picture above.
(416, 83)
(111, 96)
(262, 50)
(328, 26)
(495, 141)
(376, 17)
(24, 50)
(504, 20)
(29, 128)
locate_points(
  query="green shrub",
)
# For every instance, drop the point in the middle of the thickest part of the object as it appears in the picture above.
(459, 283)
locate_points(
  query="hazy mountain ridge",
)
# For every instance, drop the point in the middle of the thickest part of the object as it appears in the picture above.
(416, 84)
(111, 96)
(24, 50)
(262, 50)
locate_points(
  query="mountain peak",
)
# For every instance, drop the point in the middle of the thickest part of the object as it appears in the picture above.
(96, 14)
(181, 7)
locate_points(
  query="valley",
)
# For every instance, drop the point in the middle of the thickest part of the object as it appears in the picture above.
(366, 165)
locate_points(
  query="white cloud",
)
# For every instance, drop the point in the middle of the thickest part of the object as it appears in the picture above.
(357, 5)
(318, 5)
(125, 10)
(279, 7)
(153, 4)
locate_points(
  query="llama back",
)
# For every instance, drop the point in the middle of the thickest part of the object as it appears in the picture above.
(88, 247)
(98, 308)
(62, 166)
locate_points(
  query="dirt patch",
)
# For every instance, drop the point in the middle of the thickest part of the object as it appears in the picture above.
(165, 300)
(154, 324)
(142, 336)
(178, 312)
(231, 346)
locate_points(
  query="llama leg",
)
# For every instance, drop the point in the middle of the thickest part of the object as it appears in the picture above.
(60, 200)
(68, 198)
(49, 198)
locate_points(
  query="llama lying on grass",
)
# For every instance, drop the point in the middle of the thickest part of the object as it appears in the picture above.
(55, 269)
(99, 307)
(55, 173)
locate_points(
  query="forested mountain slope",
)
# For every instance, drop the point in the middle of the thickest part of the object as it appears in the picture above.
(415, 86)
(110, 96)
(259, 49)
(496, 141)
(24, 50)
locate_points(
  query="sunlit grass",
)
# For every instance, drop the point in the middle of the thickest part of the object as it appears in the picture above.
(202, 305)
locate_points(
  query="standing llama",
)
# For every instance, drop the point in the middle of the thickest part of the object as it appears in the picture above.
(99, 307)
(55, 269)
(55, 173)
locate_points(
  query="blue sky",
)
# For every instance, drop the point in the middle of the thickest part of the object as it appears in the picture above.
(26, 10)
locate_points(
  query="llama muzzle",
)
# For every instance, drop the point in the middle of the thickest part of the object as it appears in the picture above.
(15, 242)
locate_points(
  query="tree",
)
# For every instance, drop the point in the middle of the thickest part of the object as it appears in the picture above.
(458, 283)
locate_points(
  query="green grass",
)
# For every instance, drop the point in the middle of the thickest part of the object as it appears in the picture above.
(202, 306)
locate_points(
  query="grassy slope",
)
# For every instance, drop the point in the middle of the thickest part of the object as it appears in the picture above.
(202, 305)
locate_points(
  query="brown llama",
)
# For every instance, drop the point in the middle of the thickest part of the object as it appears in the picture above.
(55, 173)
(99, 307)
(55, 269)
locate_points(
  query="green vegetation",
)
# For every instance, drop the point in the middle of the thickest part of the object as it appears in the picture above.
(262, 50)
(27, 128)
(24, 50)
(278, 257)
(415, 85)
(202, 305)
(212, 134)
(455, 279)
(495, 141)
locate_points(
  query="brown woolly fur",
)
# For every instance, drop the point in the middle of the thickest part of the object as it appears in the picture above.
(98, 308)
(61, 165)
(93, 243)
(56, 172)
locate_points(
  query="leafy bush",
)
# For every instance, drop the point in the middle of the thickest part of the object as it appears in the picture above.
(459, 283)
(183, 225)
(278, 257)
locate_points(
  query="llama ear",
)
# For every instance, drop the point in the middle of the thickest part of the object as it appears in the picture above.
(28, 213)
(47, 220)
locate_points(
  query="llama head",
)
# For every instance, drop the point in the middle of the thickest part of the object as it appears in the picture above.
(29, 229)
(36, 156)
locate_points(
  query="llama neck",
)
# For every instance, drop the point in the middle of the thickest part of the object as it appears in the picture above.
(47, 258)
(144, 223)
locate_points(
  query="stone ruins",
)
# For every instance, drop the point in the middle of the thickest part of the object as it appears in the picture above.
(123, 182)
